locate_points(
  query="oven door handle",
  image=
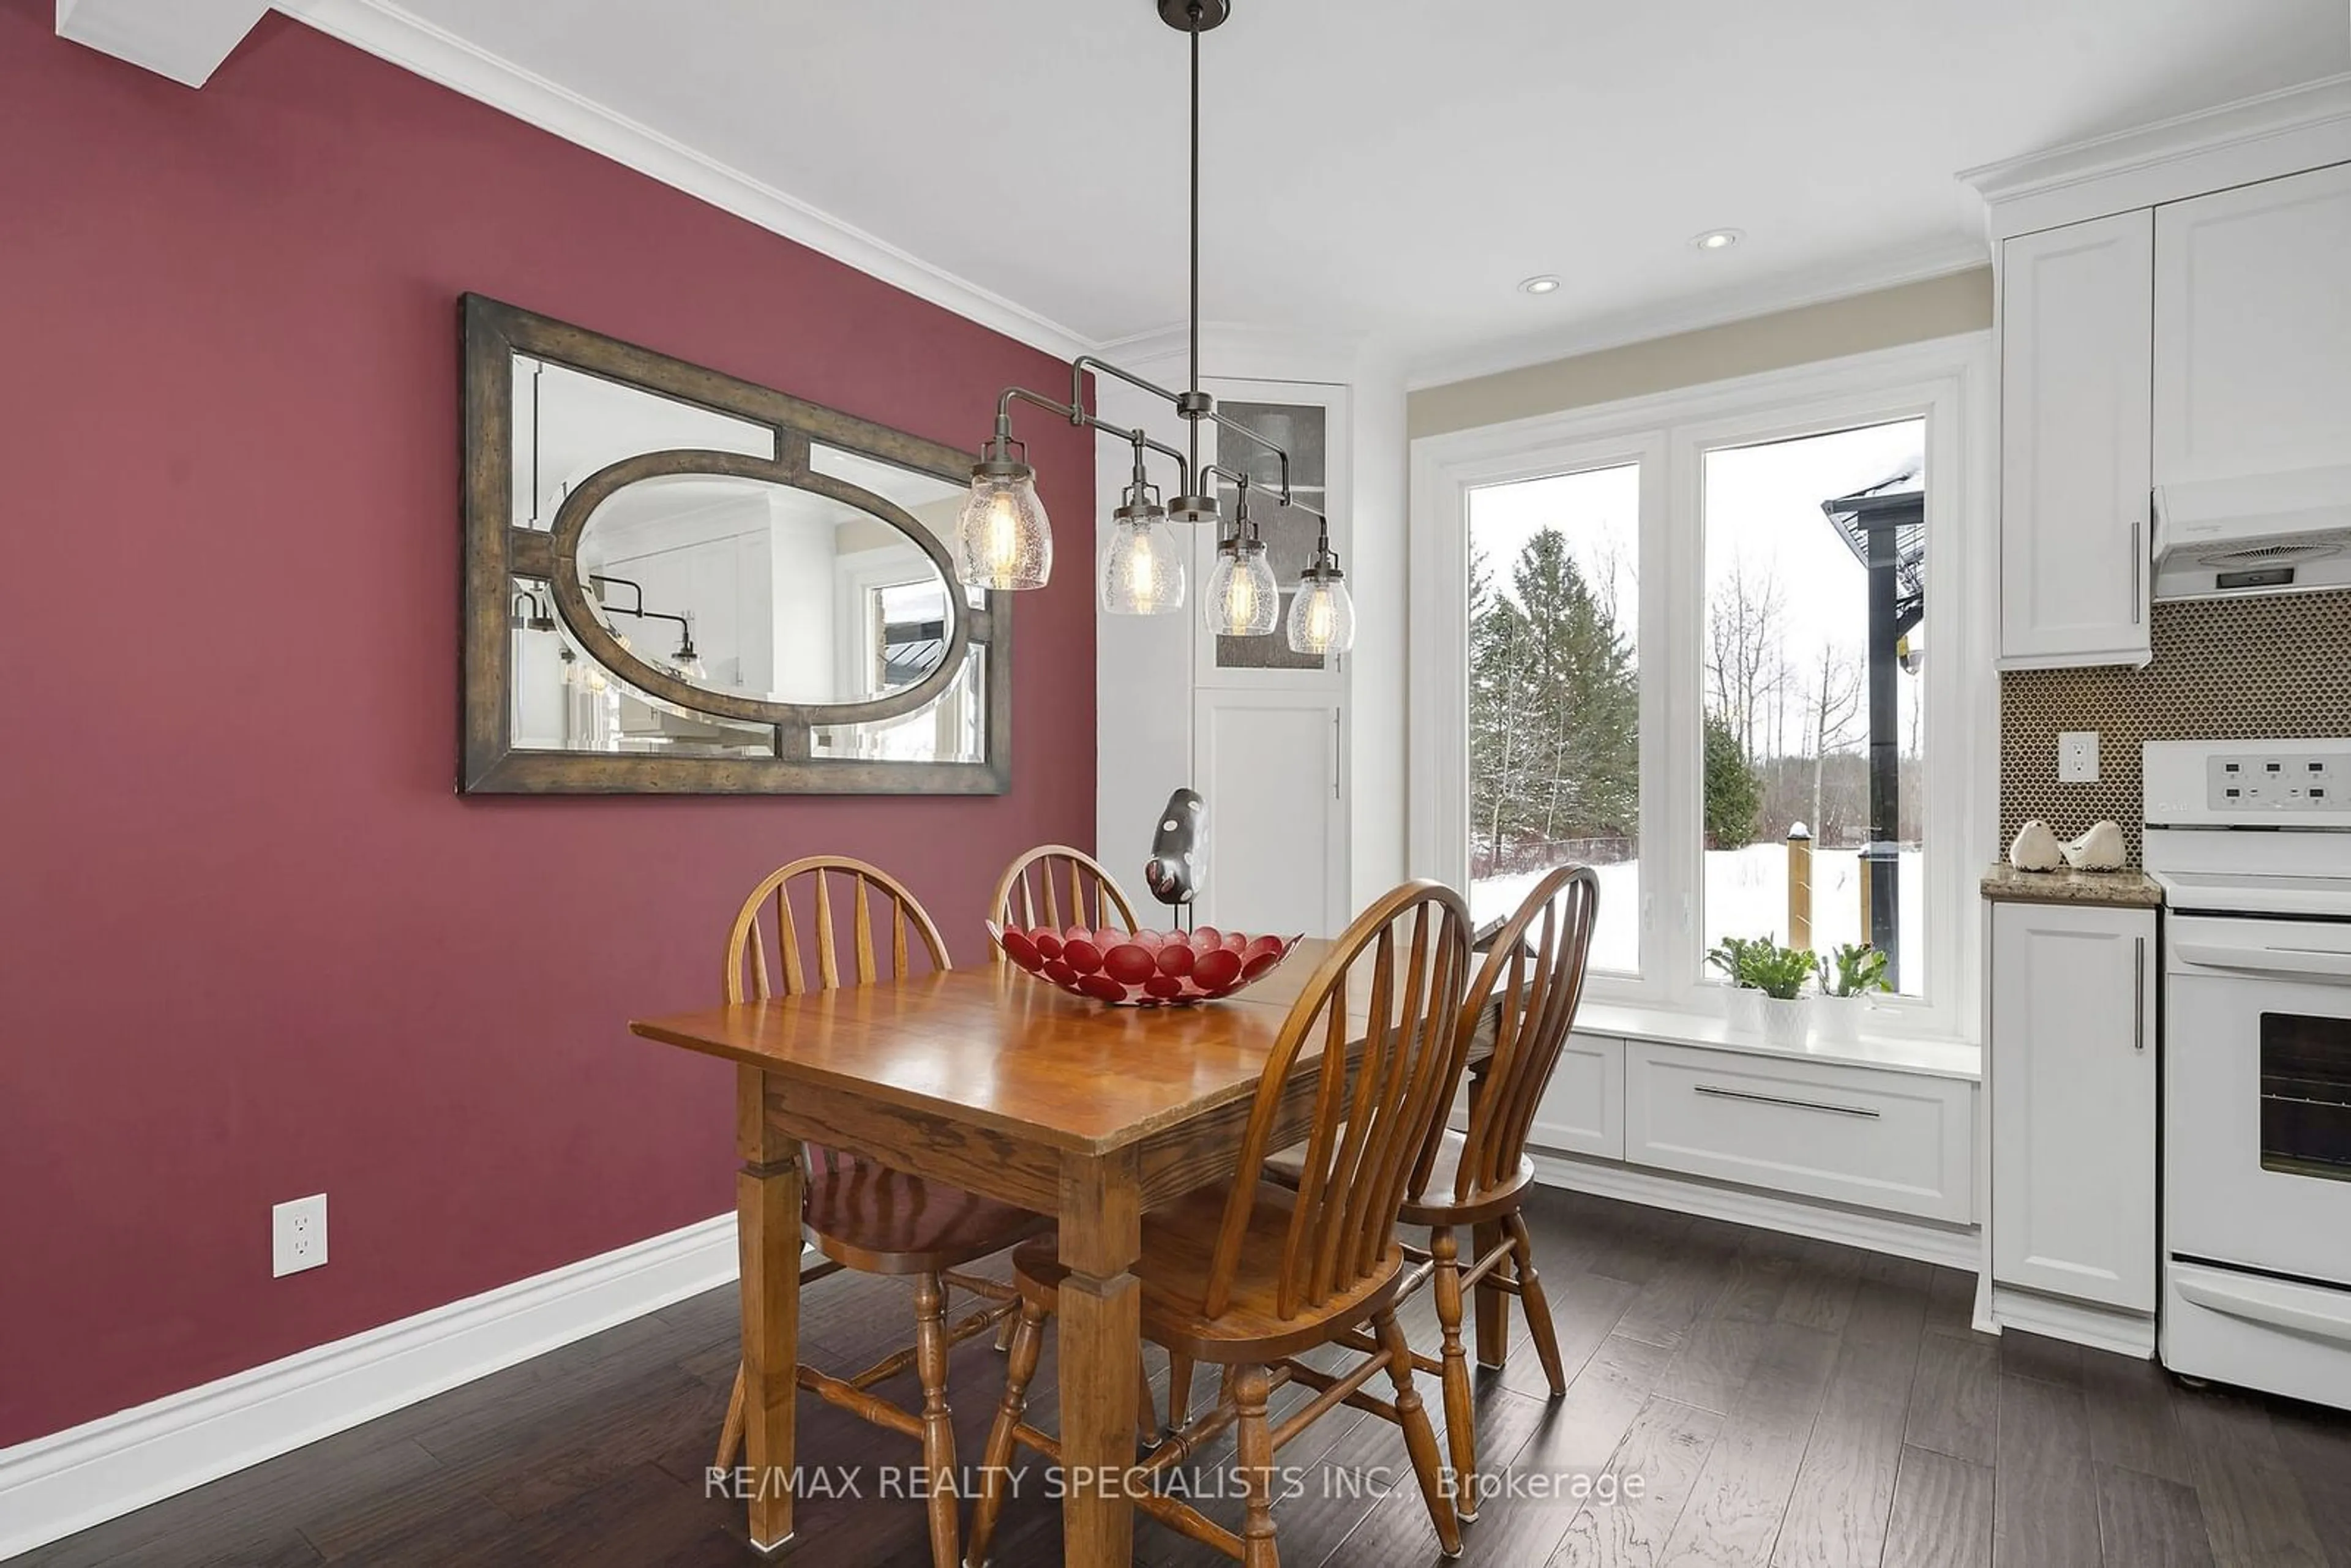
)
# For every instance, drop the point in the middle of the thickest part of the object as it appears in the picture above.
(2263, 1301)
(2323, 962)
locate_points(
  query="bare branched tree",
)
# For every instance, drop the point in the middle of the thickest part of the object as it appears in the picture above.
(1745, 667)
(1835, 705)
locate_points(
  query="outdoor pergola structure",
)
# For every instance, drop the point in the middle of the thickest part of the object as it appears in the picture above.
(1884, 525)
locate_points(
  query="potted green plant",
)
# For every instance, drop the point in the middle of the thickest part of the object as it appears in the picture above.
(1849, 977)
(1767, 995)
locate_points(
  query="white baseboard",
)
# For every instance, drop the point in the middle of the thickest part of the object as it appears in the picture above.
(70, 1481)
(1949, 1246)
(2079, 1322)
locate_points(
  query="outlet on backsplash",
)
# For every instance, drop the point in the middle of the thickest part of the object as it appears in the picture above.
(2077, 757)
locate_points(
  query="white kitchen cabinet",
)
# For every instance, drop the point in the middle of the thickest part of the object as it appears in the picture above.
(2252, 329)
(2076, 348)
(1899, 1142)
(1583, 1107)
(1271, 767)
(2072, 1084)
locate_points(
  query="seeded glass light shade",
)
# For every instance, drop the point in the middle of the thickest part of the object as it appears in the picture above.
(1243, 599)
(1322, 616)
(1142, 570)
(1002, 539)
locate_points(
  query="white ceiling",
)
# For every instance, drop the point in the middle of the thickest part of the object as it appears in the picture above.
(1391, 169)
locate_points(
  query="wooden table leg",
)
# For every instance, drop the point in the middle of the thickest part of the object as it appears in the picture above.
(1099, 1327)
(768, 1220)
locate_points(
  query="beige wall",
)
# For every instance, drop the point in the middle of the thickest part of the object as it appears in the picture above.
(1913, 313)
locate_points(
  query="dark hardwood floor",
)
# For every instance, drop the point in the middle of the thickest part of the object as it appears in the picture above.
(1780, 1401)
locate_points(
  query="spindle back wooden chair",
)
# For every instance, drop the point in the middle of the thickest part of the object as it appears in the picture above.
(1249, 1275)
(857, 1213)
(1531, 982)
(1034, 886)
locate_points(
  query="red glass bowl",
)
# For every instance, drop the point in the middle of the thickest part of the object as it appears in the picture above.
(1142, 968)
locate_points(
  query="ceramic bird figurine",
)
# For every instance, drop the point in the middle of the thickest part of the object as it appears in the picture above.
(2100, 849)
(2037, 848)
(1173, 872)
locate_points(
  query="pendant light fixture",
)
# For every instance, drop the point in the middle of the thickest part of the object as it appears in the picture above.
(1142, 570)
(1004, 540)
(1243, 599)
(1322, 616)
(686, 663)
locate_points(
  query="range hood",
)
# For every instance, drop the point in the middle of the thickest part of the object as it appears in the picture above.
(2271, 533)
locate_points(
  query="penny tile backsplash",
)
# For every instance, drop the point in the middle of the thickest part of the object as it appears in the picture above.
(2224, 670)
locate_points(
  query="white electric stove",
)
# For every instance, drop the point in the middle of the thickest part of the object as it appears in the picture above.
(2250, 842)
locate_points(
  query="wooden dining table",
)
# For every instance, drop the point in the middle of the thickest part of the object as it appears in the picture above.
(994, 1081)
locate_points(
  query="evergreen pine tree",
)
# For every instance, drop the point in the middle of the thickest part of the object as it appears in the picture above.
(1734, 790)
(1554, 708)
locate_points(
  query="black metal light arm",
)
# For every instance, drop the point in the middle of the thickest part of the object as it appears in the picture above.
(1183, 402)
(1241, 483)
(638, 588)
(640, 612)
(1084, 362)
(1076, 414)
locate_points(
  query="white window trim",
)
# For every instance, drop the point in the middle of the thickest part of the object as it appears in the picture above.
(1950, 382)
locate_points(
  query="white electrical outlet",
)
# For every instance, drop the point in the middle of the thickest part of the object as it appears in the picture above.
(297, 1236)
(2077, 757)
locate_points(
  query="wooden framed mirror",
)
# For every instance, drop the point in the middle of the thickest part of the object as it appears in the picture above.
(679, 582)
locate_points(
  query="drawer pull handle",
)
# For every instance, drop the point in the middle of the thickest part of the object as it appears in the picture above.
(1720, 1093)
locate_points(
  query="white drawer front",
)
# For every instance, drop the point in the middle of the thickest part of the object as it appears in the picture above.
(1895, 1141)
(1583, 1110)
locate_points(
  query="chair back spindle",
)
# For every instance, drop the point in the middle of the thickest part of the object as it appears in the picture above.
(1058, 886)
(1393, 980)
(1535, 968)
(815, 886)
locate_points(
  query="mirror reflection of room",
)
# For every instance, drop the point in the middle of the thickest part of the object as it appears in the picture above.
(733, 584)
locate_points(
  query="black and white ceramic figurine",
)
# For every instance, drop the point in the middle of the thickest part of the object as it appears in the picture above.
(1173, 873)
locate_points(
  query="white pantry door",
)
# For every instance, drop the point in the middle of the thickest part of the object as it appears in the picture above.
(1271, 764)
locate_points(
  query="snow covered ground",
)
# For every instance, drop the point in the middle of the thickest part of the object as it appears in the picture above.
(1746, 896)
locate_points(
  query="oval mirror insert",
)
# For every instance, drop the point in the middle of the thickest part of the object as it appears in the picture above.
(762, 591)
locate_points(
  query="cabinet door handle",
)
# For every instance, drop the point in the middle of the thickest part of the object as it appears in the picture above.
(2138, 563)
(2138, 993)
(1721, 1093)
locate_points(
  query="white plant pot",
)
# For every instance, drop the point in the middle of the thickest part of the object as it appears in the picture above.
(1787, 1024)
(1744, 1008)
(1836, 1020)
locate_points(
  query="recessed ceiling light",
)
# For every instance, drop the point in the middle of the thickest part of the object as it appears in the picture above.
(1546, 284)
(1718, 239)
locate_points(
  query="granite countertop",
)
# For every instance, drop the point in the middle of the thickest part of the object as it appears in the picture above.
(2117, 889)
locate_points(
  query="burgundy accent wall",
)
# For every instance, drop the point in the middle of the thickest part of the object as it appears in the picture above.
(252, 945)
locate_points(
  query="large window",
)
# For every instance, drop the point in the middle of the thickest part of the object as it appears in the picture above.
(1685, 641)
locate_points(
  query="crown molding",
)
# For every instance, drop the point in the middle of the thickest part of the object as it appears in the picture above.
(2248, 119)
(2259, 137)
(1613, 329)
(389, 33)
